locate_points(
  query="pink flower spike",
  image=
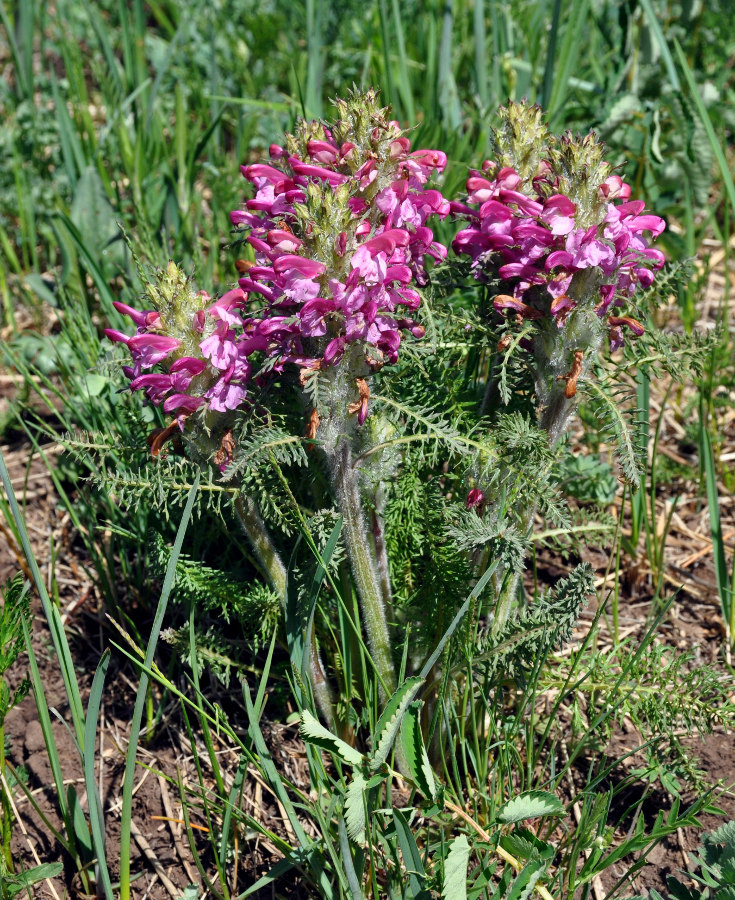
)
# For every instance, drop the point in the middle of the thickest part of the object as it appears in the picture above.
(433, 159)
(398, 273)
(334, 350)
(558, 212)
(558, 258)
(179, 402)
(345, 151)
(276, 152)
(189, 364)
(268, 173)
(284, 241)
(614, 188)
(357, 205)
(507, 178)
(475, 499)
(399, 147)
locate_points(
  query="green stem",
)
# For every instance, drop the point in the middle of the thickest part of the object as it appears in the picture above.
(6, 810)
(270, 560)
(364, 565)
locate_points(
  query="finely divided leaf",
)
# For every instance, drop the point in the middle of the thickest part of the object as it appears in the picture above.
(455, 870)
(314, 732)
(414, 750)
(354, 809)
(529, 806)
(390, 720)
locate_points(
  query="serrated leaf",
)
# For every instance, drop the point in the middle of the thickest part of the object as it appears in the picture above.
(314, 732)
(524, 845)
(455, 870)
(354, 808)
(390, 721)
(414, 751)
(529, 806)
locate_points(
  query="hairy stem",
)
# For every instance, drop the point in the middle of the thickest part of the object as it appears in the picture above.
(364, 565)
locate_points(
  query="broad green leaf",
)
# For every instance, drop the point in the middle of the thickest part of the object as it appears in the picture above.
(314, 732)
(95, 219)
(414, 751)
(390, 721)
(529, 806)
(354, 809)
(455, 870)
(95, 384)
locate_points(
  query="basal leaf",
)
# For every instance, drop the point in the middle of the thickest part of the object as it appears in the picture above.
(530, 805)
(22, 881)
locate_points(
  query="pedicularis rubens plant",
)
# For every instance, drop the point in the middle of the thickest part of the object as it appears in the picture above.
(400, 413)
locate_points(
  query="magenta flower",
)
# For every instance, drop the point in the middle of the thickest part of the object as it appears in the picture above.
(204, 362)
(532, 236)
(335, 279)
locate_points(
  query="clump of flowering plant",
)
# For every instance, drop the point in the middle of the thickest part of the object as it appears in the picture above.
(552, 228)
(338, 230)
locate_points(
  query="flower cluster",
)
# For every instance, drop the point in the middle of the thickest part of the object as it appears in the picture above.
(338, 226)
(202, 346)
(531, 235)
(339, 234)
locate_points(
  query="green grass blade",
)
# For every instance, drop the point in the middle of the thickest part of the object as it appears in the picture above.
(48, 736)
(568, 56)
(480, 42)
(475, 593)
(715, 522)
(127, 792)
(404, 81)
(707, 122)
(663, 45)
(56, 627)
(96, 815)
(548, 86)
(23, 85)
